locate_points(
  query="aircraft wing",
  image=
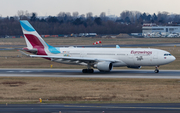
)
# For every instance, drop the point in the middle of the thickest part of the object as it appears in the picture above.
(80, 59)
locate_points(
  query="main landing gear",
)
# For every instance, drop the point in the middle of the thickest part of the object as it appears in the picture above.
(88, 70)
(156, 69)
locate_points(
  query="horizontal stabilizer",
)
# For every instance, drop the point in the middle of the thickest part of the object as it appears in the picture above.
(25, 54)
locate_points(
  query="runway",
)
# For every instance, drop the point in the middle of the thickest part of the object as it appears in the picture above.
(91, 108)
(149, 74)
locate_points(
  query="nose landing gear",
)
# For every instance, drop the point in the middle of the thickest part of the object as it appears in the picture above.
(156, 69)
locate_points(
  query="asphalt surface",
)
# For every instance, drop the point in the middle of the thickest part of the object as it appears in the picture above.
(90, 108)
(149, 74)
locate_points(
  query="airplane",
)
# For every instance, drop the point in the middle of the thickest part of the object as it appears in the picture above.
(103, 59)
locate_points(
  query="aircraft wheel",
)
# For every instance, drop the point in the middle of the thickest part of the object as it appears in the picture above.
(91, 70)
(84, 71)
(156, 71)
(88, 70)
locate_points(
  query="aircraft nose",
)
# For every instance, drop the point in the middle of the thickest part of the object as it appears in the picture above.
(173, 58)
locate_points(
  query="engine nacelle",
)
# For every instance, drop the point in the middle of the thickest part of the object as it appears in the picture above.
(104, 66)
(134, 67)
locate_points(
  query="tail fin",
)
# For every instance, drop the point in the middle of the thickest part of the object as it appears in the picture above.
(34, 40)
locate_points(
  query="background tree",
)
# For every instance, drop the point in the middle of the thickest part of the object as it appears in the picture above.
(23, 15)
(75, 15)
(98, 21)
(89, 15)
(34, 17)
(103, 16)
(65, 23)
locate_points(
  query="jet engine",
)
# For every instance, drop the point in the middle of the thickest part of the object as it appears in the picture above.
(104, 66)
(134, 67)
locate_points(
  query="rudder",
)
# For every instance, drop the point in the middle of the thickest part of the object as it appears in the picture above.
(35, 41)
(32, 38)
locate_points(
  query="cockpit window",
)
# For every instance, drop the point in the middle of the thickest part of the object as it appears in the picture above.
(167, 54)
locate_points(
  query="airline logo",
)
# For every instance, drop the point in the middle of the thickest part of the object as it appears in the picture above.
(34, 40)
(141, 52)
(139, 58)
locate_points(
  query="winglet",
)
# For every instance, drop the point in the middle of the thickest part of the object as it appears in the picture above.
(117, 46)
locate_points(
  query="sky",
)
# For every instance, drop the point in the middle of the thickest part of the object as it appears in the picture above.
(110, 7)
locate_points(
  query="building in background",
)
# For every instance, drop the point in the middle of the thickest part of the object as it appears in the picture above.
(152, 30)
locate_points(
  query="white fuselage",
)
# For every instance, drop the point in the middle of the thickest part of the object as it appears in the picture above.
(125, 56)
(104, 59)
